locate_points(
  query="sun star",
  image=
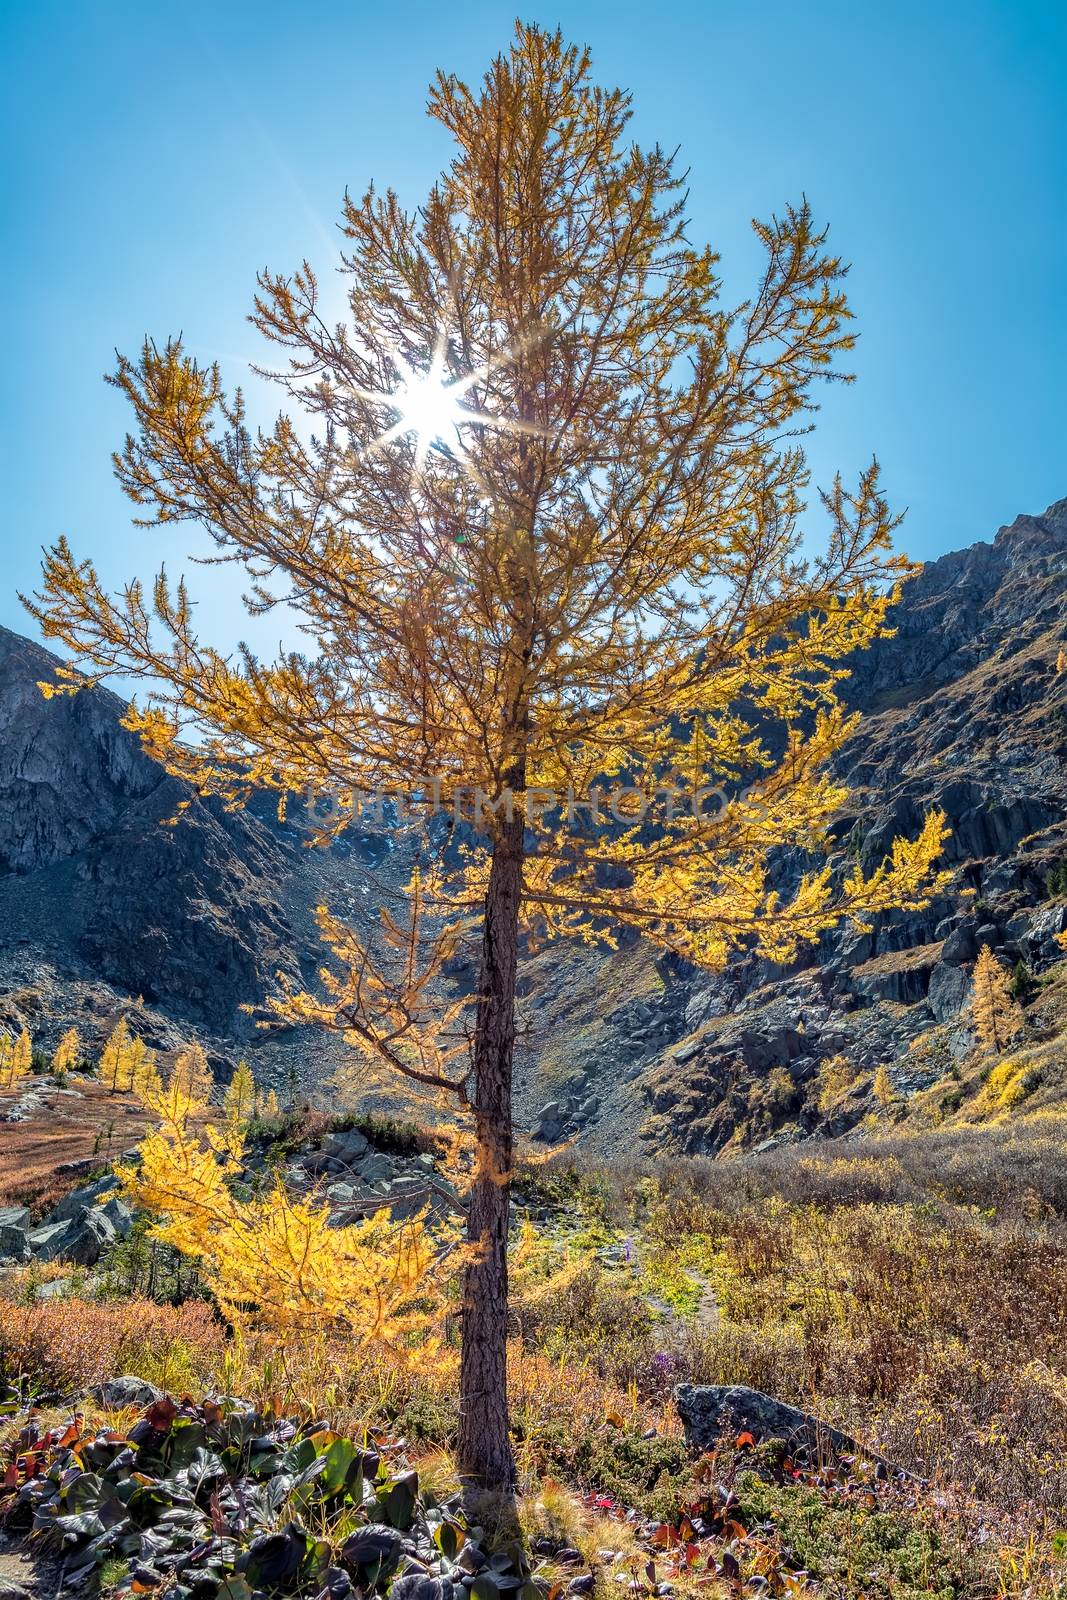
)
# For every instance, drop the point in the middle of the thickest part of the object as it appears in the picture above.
(429, 408)
(428, 404)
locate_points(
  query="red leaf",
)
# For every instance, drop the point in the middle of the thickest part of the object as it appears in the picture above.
(744, 1439)
(162, 1414)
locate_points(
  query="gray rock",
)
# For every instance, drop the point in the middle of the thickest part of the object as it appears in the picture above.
(119, 1215)
(549, 1123)
(376, 1168)
(340, 1194)
(79, 1200)
(126, 1391)
(349, 1146)
(54, 1289)
(959, 946)
(82, 1239)
(40, 1239)
(711, 1411)
(947, 995)
(14, 1230)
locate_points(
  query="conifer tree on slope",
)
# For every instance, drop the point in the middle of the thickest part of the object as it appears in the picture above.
(544, 534)
(997, 1016)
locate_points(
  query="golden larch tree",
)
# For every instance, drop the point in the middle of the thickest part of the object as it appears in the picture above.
(239, 1100)
(113, 1067)
(125, 1060)
(67, 1052)
(271, 1260)
(191, 1074)
(22, 1055)
(544, 527)
(16, 1059)
(996, 1014)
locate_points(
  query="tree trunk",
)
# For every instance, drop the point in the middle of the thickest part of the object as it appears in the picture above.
(484, 1449)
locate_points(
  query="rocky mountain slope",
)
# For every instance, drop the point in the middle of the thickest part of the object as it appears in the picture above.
(965, 708)
(102, 905)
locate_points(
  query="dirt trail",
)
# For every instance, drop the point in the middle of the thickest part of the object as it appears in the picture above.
(20, 1578)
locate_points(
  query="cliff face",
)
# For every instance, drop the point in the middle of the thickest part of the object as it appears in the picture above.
(68, 771)
(186, 916)
(963, 708)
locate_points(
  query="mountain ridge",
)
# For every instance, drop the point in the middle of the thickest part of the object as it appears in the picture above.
(102, 908)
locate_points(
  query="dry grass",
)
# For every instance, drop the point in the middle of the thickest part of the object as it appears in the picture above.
(70, 1344)
(88, 1124)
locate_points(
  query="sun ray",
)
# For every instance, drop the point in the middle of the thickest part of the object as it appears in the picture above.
(429, 406)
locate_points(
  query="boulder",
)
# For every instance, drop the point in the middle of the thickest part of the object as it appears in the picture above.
(119, 1215)
(959, 946)
(376, 1168)
(75, 1168)
(349, 1146)
(81, 1239)
(947, 995)
(14, 1231)
(126, 1391)
(710, 1411)
(54, 1289)
(79, 1200)
(549, 1124)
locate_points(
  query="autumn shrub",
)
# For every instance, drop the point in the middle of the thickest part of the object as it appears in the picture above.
(1002, 1167)
(911, 1289)
(270, 1260)
(936, 1334)
(71, 1343)
(581, 1314)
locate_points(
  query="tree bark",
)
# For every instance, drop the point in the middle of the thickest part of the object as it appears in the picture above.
(484, 1448)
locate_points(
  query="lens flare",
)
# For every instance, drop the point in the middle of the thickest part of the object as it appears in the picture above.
(429, 405)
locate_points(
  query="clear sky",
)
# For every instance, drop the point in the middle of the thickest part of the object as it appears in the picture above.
(157, 154)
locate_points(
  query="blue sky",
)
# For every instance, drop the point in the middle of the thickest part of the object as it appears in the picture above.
(156, 155)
